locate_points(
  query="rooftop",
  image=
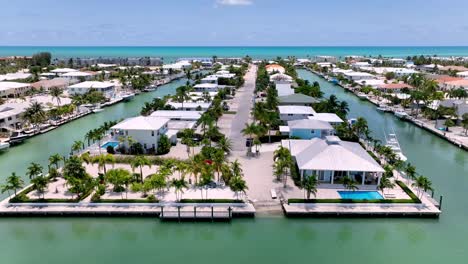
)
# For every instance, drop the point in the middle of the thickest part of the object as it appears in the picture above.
(309, 124)
(76, 74)
(327, 117)
(187, 115)
(142, 123)
(331, 154)
(63, 70)
(12, 85)
(92, 85)
(296, 109)
(297, 98)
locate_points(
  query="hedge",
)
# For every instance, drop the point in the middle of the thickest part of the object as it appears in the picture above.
(408, 191)
(23, 198)
(210, 201)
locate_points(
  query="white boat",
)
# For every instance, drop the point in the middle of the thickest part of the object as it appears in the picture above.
(127, 96)
(383, 109)
(97, 108)
(18, 137)
(150, 89)
(401, 114)
(392, 142)
(362, 95)
(4, 146)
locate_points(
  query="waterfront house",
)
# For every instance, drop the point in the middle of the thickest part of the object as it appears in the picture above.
(78, 76)
(331, 118)
(281, 77)
(146, 130)
(180, 65)
(331, 59)
(307, 129)
(46, 85)
(394, 87)
(206, 87)
(284, 88)
(210, 79)
(106, 88)
(463, 74)
(60, 71)
(294, 112)
(11, 115)
(274, 68)
(178, 115)
(13, 89)
(297, 99)
(356, 76)
(190, 106)
(360, 64)
(332, 159)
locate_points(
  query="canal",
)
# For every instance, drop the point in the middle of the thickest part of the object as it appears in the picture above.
(262, 240)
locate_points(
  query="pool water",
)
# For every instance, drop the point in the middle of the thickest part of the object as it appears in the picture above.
(110, 143)
(360, 195)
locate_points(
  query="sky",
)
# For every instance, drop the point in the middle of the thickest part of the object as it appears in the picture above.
(234, 23)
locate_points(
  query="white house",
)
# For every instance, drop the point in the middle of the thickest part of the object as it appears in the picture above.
(360, 64)
(180, 65)
(190, 106)
(77, 75)
(281, 77)
(210, 79)
(178, 115)
(307, 129)
(356, 76)
(9, 89)
(294, 112)
(146, 130)
(15, 76)
(206, 87)
(106, 88)
(331, 159)
(330, 118)
(463, 74)
(284, 88)
(60, 71)
(11, 115)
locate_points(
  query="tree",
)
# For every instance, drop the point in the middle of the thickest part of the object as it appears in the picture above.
(56, 92)
(218, 160)
(40, 184)
(310, 185)
(140, 161)
(102, 160)
(54, 160)
(350, 184)
(423, 184)
(182, 94)
(465, 122)
(179, 186)
(158, 181)
(14, 182)
(238, 185)
(164, 145)
(385, 183)
(120, 178)
(77, 146)
(35, 114)
(34, 170)
(225, 144)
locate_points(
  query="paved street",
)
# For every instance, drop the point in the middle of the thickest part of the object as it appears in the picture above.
(244, 99)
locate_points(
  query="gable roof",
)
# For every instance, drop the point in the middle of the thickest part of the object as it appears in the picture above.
(296, 109)
(142, 123)
(297, 98)
(327, 117)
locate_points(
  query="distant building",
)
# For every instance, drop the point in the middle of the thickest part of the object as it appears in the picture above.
(275, 68)
(106, 88)
(13, 89)
(297, 99)
(307, 129)
(294, 112)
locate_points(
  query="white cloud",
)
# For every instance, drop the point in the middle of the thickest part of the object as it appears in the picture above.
(234, 2)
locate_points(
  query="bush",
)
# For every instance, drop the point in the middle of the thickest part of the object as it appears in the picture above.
(151, 198)
(95, 198)
(136, 149)
(110, 150)
(164, 145)
(408, 191)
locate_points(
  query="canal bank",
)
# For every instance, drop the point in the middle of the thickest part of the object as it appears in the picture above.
(39, 148)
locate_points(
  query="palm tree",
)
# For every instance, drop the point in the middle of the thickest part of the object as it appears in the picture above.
(34, 170)
(56, 92)
(236, 168)
(77, 146)
(14, 182)
(40, 184)
(182, 94)
(140, 161)
(102, 160)
(218, 160)
(385, 183)
(54, 160)
(225, 144)
(350, 184)
(310, 185)
(35, 114)
(120, 178)
(238, 185)
(410, 171)
(179, 186)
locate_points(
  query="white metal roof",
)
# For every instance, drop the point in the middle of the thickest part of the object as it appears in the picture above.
(76, 74)
(142, 123)
(309, 124)
(189, 105)
(296, 109)
(93, 85)
(327, 117)
(63, 70)
(12, 85)
(181, 115)
(332, 154)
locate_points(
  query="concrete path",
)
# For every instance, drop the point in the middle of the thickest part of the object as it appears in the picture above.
(244, 96)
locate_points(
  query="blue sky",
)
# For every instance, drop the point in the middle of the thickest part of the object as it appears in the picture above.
(234, 22)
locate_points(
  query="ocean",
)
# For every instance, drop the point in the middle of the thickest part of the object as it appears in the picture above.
(171, 53)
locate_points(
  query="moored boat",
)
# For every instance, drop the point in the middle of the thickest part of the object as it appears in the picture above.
(4, 146)
(392, 142)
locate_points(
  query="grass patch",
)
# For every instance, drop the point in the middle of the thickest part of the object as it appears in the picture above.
(23, 198)
(408, 191)
(230, 112)
(210, 201)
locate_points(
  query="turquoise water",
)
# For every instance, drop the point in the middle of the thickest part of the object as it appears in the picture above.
(170, 53)
(110, 143)
(360, 195)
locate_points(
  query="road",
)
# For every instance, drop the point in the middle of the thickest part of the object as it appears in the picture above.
(244, 100)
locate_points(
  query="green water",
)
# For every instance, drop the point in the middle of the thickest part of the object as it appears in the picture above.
(261, 240)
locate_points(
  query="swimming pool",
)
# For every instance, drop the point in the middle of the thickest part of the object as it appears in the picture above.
(110, 143)
(360, 195)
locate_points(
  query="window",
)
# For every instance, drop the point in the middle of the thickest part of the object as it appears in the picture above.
(152, 133)
(312, 131)
(144, 145)
(126, 132)
(9, 118)
(321, 175)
